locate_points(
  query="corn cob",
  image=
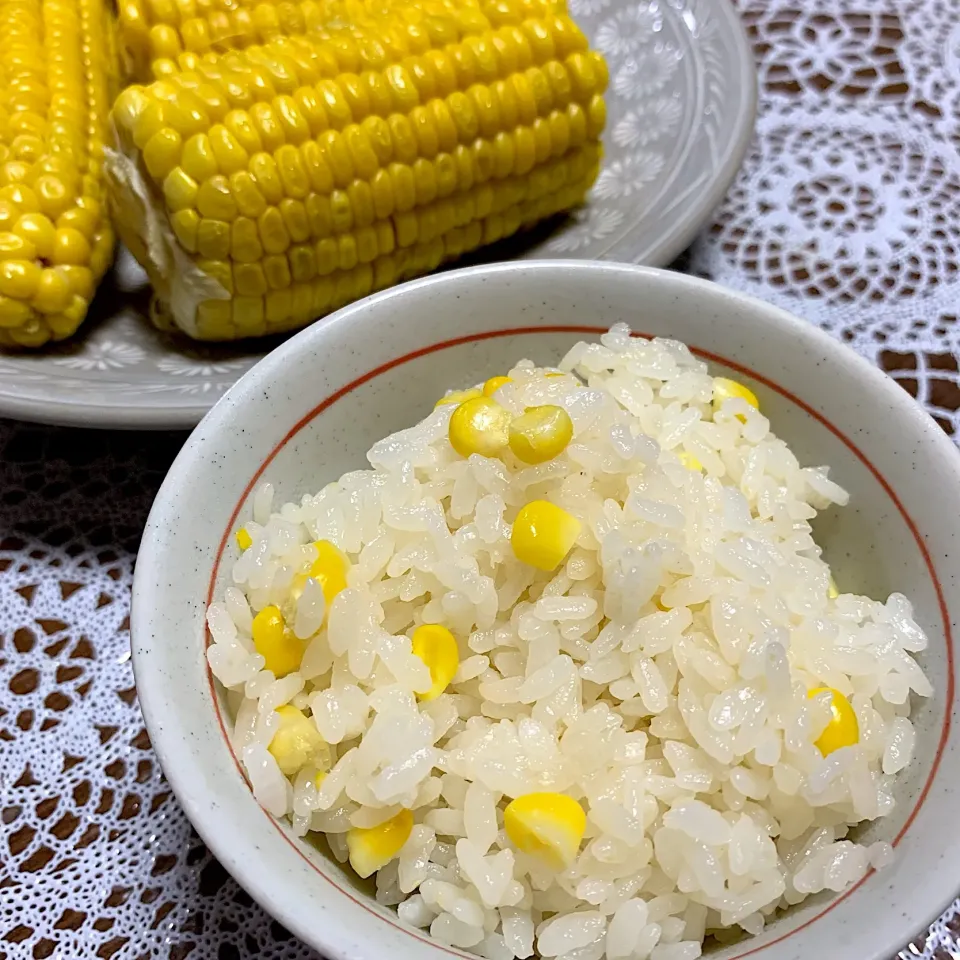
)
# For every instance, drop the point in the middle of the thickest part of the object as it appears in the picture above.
(55, 240)
(263, 187)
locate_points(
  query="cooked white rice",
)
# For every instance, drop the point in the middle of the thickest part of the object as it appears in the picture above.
(687, 733)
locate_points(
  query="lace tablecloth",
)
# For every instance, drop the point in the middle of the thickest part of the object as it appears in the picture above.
(847, 212)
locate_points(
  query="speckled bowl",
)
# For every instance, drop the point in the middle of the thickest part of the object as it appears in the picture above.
(311, 409)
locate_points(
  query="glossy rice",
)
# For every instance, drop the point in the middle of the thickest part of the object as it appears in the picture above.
(659, 676)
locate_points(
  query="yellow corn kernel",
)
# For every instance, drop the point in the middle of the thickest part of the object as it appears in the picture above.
(833, 591)
(186, 114)
(843, 730)
(277, 271)
(303, 263)
(541, 433)
(186, 227)
(724, 389)
(494, 384)
(70, 246)
(198, 159)
(437, 648)
(373, 848)
(273, 231)
(689, 461)
(549, 826)
(479, 425)
(458, 396)
(213, 240)
(297, 742)
(543, 534)
(38, 230)
(14, 313)
(53, 292)
(230, 156)
(19, 279)
(180, 189)
(214, 318)
(279, 307)
(280, 649)
(22, 197)
(329, 569)
(15, 247)
(214, 199)
(164, 42)
(250, 201)
(162, 152)
(294, 214)
(249, 280)
(244, 540)
(79, 218)
(245, 246)
(80, 279)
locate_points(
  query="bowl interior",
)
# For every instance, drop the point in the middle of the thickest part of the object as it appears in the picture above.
(310, 412)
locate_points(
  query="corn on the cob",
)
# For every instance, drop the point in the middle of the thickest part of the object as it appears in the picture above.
(55, 239)
(263, 187)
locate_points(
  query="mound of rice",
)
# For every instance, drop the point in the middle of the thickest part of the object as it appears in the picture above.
(659, 676)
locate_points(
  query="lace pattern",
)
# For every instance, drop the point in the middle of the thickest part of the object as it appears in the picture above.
(846, 212)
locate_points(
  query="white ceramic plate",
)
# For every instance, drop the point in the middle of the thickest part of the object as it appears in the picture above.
(680, 115)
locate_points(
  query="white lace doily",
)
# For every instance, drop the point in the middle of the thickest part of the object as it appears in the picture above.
(847, 212)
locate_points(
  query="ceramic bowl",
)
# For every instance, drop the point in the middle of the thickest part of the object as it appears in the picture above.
(310, 410)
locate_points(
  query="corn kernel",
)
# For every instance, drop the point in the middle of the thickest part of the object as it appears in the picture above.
(70, 246)
(479, 425)
(20, 196)
(724, 389)
(833, 591)
(14, 313)
(80, 218)
(38, 230)
(543, 534)
(80, 280)
(458, 396)
(214, 199)
(15, 247)
(297, 742)
(198, 159)
(244, 540)
(373, 848)
(541, 433)
(437, 648)
(494, 384)
(689, 461)
(179, 189)
(549, 826)
(19, 279)
(186, 227)
(53, 292)
(329, 570)
(843, 730)
(280, 649)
